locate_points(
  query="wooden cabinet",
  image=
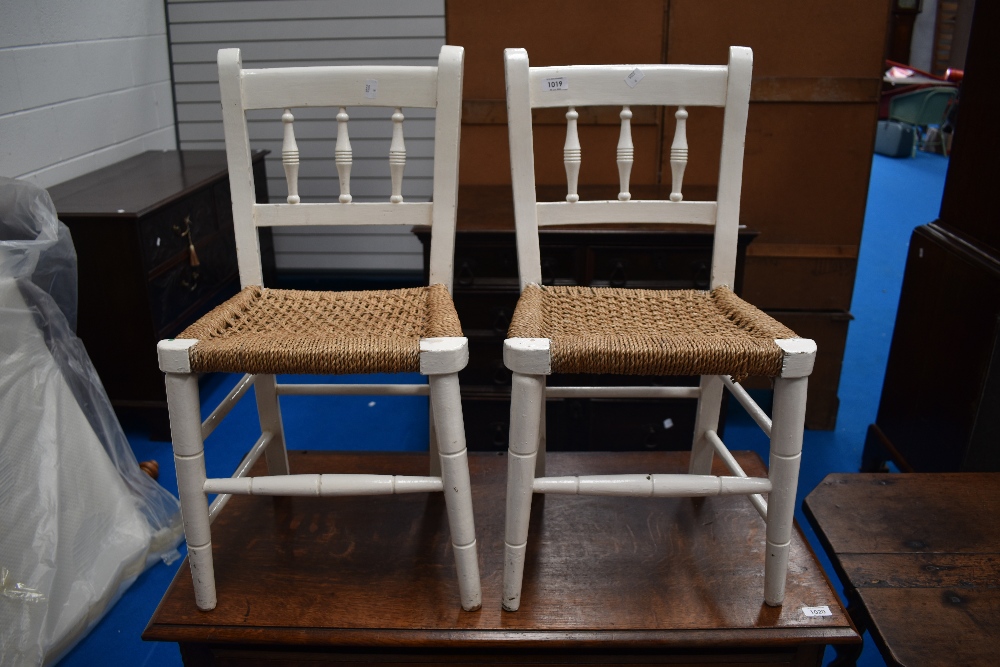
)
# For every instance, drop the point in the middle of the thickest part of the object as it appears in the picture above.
(486, 292)
(133, 225)
(940, 405)
(810, 131)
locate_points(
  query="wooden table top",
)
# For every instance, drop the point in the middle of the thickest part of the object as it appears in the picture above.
(378, 571)
(922, 552)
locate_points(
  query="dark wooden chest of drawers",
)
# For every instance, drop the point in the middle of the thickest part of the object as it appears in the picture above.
(139, 281)
(486, 292)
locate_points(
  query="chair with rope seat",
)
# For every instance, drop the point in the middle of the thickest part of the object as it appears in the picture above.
(262, 332)
(713, 334)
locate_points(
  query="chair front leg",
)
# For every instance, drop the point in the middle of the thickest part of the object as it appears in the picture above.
(269, 414)
(786, 453)
(189, 459)
(527, 400)
(440, 360)
(446, 399)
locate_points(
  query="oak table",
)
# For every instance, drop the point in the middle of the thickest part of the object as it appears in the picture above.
(607, 580)
(919, 557)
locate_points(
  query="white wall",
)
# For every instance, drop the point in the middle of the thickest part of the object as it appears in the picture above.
(922, 44)
(283, 33)
(83, 84)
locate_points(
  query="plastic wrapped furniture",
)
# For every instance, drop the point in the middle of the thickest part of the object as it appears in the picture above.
(261, 332)
(78, 520)
(714, 334)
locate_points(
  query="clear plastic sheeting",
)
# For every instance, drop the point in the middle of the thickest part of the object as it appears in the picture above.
(79, 521)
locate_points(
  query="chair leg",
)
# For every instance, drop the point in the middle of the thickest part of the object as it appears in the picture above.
(446, 410)
(432, 448)
(189, 459)
(527, 401)
(540, 458)
(269, 413)
(707, 419)
(786, 453)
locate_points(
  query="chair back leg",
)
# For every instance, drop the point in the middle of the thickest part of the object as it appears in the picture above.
(433, 451)
(269, 413)
(707, 419)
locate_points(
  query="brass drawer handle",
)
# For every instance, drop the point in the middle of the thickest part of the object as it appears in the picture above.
(192, 254)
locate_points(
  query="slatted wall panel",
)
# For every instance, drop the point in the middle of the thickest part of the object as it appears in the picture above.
(285, 33)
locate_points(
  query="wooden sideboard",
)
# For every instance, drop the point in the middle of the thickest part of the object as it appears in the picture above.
(139, 282)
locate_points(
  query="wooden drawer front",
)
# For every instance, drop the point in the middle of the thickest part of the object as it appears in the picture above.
(486, 314)
(674, 268)
(586, 424)
(485, 367)
(485, 265)
(637, 425)
(183, 286)
(224, 205)
(496, 265)
(162, 236)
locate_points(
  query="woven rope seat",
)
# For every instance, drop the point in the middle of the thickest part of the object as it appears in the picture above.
(264, 330)
(650, 332)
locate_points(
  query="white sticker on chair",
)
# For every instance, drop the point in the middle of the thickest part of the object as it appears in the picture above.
(634, 77)
(557, 83)
(822, 610)
(371, 88)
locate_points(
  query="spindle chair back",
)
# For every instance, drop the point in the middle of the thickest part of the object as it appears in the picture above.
(262, 332)
(577, 329)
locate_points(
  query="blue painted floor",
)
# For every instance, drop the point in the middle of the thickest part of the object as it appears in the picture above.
(904, 193)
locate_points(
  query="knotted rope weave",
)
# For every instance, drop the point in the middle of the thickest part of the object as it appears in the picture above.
(650, 332)
(264, 330)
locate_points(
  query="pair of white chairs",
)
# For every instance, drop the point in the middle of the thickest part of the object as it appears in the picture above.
(262, 332)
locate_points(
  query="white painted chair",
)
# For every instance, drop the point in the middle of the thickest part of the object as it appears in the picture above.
(262, 332)
(713, 334)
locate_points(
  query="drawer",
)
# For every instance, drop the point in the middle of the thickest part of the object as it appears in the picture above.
(639, 425)
(485, 265)
(582, 424)
(485, 368)
(164, 235)
(495, 265)
(224, 204)
(182, 286)
(485, 313)
(487, 423)
(631, 266)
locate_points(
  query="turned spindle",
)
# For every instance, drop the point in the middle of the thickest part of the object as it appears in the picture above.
(572, 155)
(343, 156)
(625, 154)
(397, 157)
(679, 154)
(290, 157)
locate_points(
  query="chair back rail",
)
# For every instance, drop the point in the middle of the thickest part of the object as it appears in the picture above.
(680, 86)
(290, 88)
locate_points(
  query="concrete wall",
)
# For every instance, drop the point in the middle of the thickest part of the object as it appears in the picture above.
(83, 84)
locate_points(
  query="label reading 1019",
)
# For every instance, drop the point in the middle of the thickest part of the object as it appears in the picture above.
(559, 83)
